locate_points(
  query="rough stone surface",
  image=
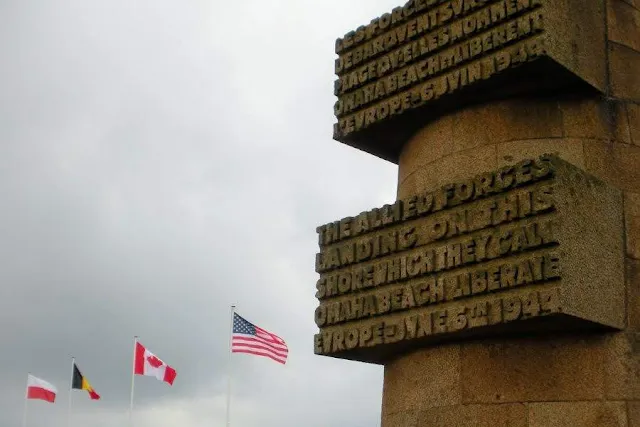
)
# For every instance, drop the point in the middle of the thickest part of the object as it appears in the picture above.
(424, 154)
(634, 122)
(585, 373)
(409, 381)
(582, 378)
(632, 274)
(623, 65)
(525, 263)
(624, 24)
(590, 119)
(633, 3)
(571, 150)
(578, 414)
(533, 370)
(540, 46)
(509, 415)
(614, 163)
(633, 411)
(622, 370)
(458, 165)
(632, 224)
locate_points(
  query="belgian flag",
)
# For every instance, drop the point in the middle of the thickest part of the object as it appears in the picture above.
(80, 382)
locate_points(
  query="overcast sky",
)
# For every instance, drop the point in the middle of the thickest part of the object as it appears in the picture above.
(160, 160)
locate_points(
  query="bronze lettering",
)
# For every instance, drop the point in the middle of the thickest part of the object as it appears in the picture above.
(317, 344)
(365, 336)
(411, 326)
(531, 306)
(338, 341)
(459, 319)
(321, 316)
(440, 318)
(425, 325)
(512, 309)
(550, 301)
(437, 39)
(351, 339)
(327, 337)
(321, 288)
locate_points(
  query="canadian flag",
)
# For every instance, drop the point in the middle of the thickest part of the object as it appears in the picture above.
(40, 389)
(148, 364)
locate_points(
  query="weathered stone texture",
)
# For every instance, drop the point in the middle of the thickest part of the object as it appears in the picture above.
(586, 379)
(632, 224)
(624, 64)
(614, 163)
(532, 370)
(460, 164)
(561, 42)
(423, 380)
(508, 415)
(578, 414)
(632, 275)
(624, 24)
(589, 119)
(622, 368)
(634, 122)
(633, 411)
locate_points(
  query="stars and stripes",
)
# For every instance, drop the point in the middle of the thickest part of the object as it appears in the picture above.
(251, 339)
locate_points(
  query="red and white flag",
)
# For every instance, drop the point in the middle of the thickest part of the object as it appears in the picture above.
(249, 338)
(40, 389)
(148, 364)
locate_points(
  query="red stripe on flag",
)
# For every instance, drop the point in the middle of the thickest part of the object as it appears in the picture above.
(41, 394)
(238, 340)
(273, 337)
(169, 374)
(251, 339)
(139, 359)
(259, 346)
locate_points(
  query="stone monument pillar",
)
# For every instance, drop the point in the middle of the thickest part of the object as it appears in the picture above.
(502, 287)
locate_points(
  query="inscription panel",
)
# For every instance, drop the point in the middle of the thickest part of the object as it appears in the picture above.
(515, 244)
(428, 50)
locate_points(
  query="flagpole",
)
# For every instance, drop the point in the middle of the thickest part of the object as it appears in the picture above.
(73, 364)
(233, 309)
(133, 377)
(26, 400)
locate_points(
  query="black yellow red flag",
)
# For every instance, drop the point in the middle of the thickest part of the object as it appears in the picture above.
(79, 382)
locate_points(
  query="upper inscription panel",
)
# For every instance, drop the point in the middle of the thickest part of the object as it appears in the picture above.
(527, 247)
(433, 55)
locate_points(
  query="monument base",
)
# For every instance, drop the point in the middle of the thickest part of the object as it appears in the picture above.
(584, 379)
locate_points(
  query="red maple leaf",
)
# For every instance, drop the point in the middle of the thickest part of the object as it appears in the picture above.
(154, 361)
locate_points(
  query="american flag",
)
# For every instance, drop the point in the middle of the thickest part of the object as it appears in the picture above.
(249, 338)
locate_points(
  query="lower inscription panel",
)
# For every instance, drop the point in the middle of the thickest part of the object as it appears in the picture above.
(436, 321)
(532, 246)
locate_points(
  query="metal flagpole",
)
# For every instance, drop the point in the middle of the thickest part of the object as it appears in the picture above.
(26, 400)
(73, 364)
(233, 309)
(133, 378)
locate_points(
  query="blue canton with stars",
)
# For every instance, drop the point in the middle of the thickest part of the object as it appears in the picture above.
(241, 326)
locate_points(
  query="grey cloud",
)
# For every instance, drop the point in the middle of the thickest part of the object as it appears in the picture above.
(160, 160)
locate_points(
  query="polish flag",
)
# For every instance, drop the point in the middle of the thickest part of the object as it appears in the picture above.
(40, 389)
(148, 364)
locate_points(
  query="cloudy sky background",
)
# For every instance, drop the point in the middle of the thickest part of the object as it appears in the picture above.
(160, 160)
